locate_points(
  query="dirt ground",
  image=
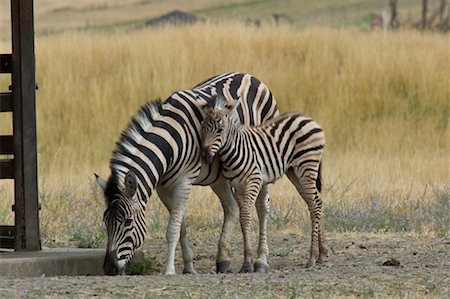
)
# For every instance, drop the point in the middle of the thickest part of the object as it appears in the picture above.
(354, 269)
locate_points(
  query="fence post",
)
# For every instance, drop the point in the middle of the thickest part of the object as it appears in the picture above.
(26, 206)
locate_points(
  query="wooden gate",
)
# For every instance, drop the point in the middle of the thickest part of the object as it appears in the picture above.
(19, 151)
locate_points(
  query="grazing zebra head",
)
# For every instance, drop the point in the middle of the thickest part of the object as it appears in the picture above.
(124, 220)
(216, 124)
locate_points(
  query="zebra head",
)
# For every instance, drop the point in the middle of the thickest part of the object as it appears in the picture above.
(124, 220)
(216, 124)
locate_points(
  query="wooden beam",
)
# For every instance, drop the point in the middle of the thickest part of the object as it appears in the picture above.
(24, 127)
(5, 63)
(5, 102)
(6, 145)
(7, 169)
(7, 236)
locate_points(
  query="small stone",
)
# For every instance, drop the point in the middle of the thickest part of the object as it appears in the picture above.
(392, 263)
(362, 247)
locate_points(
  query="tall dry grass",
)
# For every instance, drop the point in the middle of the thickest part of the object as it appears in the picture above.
(382, 99)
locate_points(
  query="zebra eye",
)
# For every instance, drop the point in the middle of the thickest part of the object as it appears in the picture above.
(128, 222)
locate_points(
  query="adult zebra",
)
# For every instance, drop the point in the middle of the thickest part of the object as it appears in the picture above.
(252, 157)
(160, 149)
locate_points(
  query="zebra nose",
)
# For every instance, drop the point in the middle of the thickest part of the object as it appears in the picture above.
(110, 265)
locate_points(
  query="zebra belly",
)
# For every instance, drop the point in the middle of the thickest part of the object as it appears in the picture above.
(272, 175)
(268, 174)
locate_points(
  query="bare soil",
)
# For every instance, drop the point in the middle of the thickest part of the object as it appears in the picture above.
(414, 266)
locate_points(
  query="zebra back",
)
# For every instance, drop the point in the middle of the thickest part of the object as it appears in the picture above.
(162, 141)
(291, 140)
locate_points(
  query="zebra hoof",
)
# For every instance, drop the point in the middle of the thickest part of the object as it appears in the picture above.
(261, 267)
(192, 271)
(222, 267)
(310, 263)
(247, 269)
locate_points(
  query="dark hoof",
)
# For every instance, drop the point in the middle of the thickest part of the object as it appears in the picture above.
(310, 263)
(222, 267)
(247, 269)
(261, 267)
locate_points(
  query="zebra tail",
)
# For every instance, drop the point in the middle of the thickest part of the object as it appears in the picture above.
(319, 178)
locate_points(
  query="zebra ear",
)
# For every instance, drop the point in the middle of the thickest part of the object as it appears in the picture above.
(130, 184)
(231, 106)
(100, 181)
(208, 107)
(211, 102)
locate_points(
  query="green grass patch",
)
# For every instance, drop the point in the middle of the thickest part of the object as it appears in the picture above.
(144, 266)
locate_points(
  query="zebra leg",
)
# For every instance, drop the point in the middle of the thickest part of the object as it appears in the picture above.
(323, 250)
(175, 199)
(230, 212)
(186, 251)
(246, 201)
(262, 207)
(306, 186)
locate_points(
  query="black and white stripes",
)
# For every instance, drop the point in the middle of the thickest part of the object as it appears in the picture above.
(255, 156)
(160, 149)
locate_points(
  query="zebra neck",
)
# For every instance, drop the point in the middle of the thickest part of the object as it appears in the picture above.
(232, 152)
(145, 170)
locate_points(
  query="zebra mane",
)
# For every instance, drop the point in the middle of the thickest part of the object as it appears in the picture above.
(146, 114)
(143, 119)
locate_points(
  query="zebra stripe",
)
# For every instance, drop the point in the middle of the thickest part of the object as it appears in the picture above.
(256, 156)
(160, 148)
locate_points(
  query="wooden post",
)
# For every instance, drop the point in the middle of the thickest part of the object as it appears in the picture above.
(26, 206)
(424, 13)
(442, 23)
(393, 23)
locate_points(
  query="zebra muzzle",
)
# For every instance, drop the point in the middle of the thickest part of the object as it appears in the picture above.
(111, 265)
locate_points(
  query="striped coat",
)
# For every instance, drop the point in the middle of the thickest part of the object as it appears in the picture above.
(160, 149)
(253, 157)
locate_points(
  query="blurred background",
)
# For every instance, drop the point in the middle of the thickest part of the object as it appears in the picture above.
(56, 16)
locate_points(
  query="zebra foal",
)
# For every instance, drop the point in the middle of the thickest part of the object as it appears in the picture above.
(253, 157)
